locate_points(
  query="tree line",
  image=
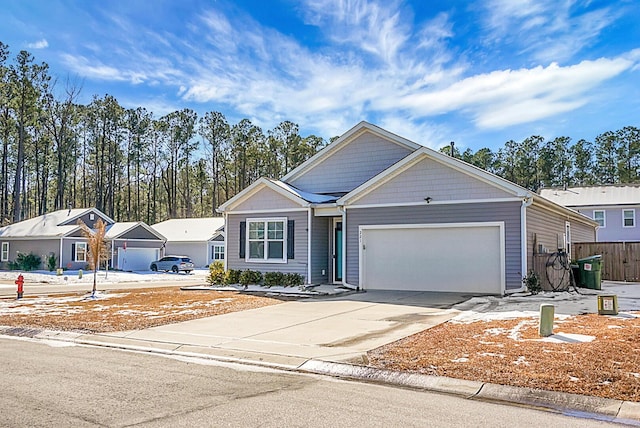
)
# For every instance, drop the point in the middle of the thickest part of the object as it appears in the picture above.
(56, 153)
(612, 158)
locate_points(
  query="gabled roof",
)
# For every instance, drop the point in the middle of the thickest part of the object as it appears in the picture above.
(190, 229)
(51, 225)
(303, 199)
(117, 230)
(345, 139)
(425, 152)
(594, 195)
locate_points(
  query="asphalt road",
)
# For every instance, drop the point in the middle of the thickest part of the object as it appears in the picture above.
(48, 385)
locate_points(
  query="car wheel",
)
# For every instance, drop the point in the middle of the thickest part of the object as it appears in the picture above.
(154, 268)
(175, 269)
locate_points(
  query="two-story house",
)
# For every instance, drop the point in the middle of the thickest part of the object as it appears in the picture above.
(614, 208)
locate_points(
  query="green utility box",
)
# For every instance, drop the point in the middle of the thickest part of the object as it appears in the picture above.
(591, 272)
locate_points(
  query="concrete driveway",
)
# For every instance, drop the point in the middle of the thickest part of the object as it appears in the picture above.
(336, 329)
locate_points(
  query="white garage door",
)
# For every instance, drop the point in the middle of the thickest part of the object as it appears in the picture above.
(136, 258)
(451, 257)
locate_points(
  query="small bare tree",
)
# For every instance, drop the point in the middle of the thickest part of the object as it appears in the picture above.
(97, 247)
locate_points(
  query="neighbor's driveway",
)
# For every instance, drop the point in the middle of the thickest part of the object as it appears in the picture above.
(337, 329)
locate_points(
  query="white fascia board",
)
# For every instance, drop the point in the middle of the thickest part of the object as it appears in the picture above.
(344, 139)
(545, 203)
(256, 187)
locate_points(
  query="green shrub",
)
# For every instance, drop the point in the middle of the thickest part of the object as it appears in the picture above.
(532, 282)
(216, 273)
(293, 280)
(272, 279)
(250, 277)
(27, 262)
(232, 277)
(52, 262)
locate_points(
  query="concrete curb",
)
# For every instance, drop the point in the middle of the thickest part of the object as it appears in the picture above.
(566, 403)
(569, 404)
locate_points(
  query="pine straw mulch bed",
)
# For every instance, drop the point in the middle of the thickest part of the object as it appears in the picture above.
(124, 310)
(510, 352)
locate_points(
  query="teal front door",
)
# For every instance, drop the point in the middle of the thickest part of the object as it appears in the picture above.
(337, 251)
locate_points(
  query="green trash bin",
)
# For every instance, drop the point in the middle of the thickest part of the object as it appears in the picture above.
(591, 272)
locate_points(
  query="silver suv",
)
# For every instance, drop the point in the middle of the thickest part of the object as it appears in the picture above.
(173, 263)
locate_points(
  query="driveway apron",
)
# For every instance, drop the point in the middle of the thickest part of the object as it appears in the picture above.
(339, 329)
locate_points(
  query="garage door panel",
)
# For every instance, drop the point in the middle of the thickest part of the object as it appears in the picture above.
(132, 259)
(461, 259)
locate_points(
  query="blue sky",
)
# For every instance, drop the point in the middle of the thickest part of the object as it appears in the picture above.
(477, 73)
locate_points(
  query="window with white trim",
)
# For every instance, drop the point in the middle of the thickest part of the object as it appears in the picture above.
(81, 252)
(266, 240)
(217, 252)
(628, 218)
(5, 252)
(600, 218)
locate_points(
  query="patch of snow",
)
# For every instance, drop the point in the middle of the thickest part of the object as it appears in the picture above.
(521, 360)
(491, 354)
(102, 277)
(568, 338)
(614, 326)
(574, 379)
(460, 360)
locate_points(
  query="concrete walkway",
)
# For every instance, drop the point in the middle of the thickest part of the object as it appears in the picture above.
(339, 329)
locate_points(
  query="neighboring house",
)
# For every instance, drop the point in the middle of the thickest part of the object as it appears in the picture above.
(614, 208)
(202, 239)
(373, 210)
(132, 245)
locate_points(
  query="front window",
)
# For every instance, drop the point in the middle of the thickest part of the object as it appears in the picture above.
(81, 252)
(629, 218)
(598, 216)
(218, 252)
(5, 252)
(266, 240)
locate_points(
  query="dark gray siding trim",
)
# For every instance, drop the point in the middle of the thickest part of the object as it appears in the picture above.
(320, 230)
(507, 212)
(297, 265)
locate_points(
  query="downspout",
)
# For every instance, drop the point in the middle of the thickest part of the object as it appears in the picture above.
(309, 246)
(226, 233)
(61, 241)
(526, 202)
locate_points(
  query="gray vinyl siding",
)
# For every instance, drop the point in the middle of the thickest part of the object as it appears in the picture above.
(67, 255)
(353, 164)
(86, 219)
(507, 212)
(547, 228)
(40, 247)
(139, 232)
(320, 231)
(266, 199)
(296, 265)
(429, 178)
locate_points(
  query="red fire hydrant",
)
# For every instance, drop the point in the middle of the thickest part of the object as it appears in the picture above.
(20, 283)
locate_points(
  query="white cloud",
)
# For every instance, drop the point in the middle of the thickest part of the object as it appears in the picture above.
(508, 97)
(548, 30)
(40, 44)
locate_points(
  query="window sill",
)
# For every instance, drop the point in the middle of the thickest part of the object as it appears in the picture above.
(270, 261)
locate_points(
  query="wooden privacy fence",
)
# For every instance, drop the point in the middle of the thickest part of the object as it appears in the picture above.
(619, 259)
(552, 275)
